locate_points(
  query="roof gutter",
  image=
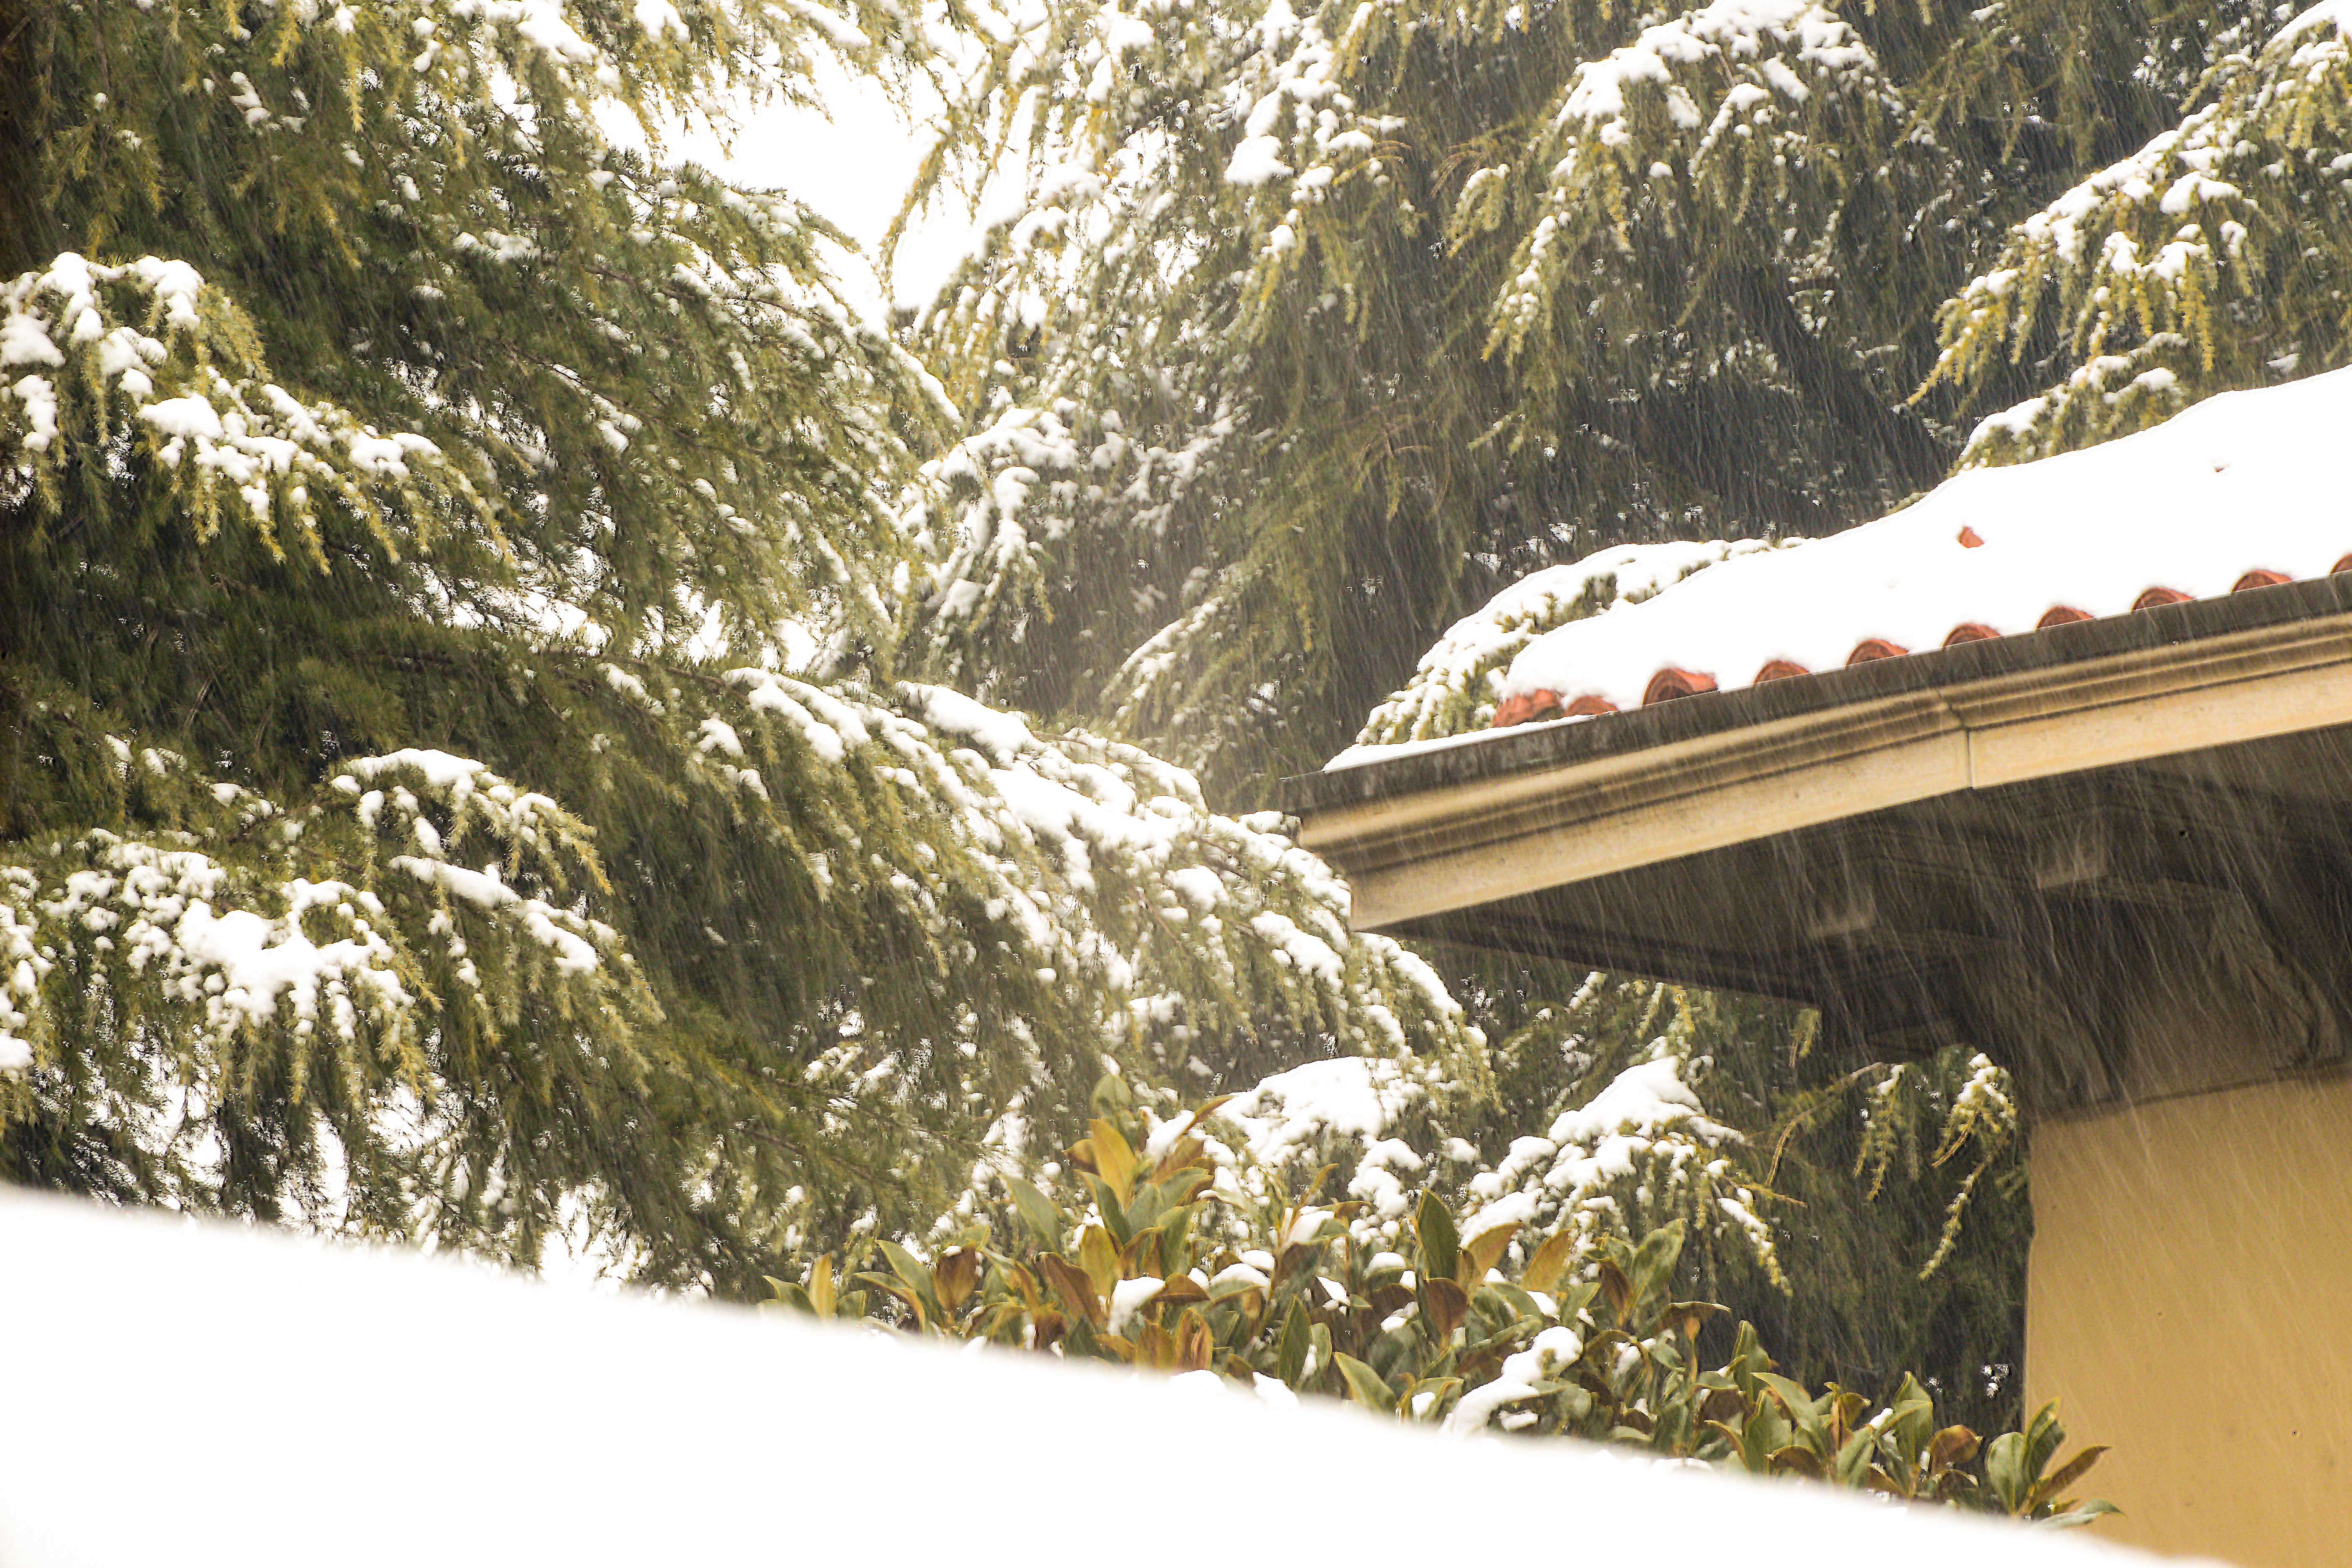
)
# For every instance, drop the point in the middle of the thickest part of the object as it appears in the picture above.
(1518, 810)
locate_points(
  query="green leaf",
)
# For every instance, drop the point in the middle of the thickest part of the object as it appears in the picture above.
(1654, 1260)
(1804, 1412)
(1852, 1465)
(1748, 1358)
(1290, 1349)
(1442, 1393)
(1512, 1301)
(2048, 1488)
(1572, 1300)
(903, 1264)
(1363, 1383)
(1107, 1203)
(1176, 1235)
(1551, 1260)
(2005, 1471)
(1178, 1187)
(1113, 1158)
(1760, 1435)
(1441, 1246)
(1800, 1460)
(912, 1299)
(2043, 1437)
(1143, 1207)
(1037, 1211)
(1111, 1095)
(1099, 1259)
(1911, 1417)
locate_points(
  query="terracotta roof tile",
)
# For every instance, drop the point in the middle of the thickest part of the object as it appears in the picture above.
(1670, 683)
(2245, 490)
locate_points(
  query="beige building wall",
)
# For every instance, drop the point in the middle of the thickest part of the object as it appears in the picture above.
(2189, 1303)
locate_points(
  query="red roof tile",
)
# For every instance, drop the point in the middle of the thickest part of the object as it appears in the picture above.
(2244, 490)
(1673, 681)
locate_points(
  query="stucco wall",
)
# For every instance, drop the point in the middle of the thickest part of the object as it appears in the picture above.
(2189, 1302)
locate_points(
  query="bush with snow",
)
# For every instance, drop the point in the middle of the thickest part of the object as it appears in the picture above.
(1193, 1251)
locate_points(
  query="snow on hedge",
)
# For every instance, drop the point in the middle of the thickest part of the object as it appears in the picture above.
(1639, 1153)
(205, 1395)
(2246, 482)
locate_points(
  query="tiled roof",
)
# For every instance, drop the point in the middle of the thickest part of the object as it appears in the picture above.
(2241, 491)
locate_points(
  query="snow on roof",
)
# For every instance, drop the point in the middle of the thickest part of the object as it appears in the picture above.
(199, 1394)
(2242, 491)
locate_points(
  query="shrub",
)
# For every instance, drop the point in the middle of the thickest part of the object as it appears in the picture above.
(1581, 1334)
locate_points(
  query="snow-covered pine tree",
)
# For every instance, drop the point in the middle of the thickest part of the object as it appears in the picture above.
(2215, 257)
(456, 778)
(1321, 323)
(1892, 1194)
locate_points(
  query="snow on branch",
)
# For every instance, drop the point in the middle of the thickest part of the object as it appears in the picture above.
(1642, 1143)
(2146, 271)
(1065, 905)
(1205, 928)
(141, 365)
(1744, 102)
(1770, 34)
(245, 922)
(993, 512)
(240, 968)
(1638, 1152)
(546, 842)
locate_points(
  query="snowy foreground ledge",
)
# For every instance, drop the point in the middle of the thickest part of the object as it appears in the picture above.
(198, 1395)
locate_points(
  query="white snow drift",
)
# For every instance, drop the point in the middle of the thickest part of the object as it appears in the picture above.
(190, 1394)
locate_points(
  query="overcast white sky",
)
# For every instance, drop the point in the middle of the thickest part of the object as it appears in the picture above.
(853, 165)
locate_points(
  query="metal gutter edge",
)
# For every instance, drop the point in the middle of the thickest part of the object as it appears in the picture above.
(1543, 747)
(1495, 833)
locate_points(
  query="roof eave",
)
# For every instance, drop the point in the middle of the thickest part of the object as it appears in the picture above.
(1519, 810)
